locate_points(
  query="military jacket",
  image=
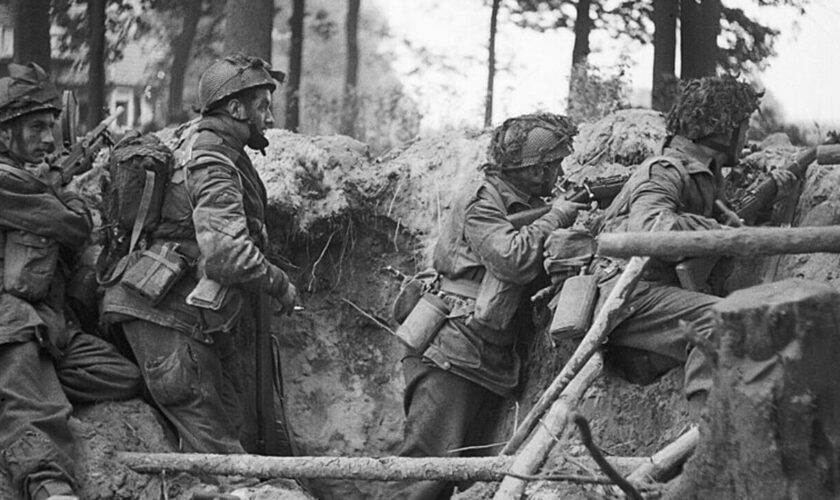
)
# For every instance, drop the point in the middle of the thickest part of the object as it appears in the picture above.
(479, 245)
(681, 184)
(39, 216)
(215, 209)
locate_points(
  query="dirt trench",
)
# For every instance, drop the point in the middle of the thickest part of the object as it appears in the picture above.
(338, 217)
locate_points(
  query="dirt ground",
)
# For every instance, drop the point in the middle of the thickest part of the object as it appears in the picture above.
(338, 218)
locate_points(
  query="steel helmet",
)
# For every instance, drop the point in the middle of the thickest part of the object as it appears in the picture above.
(711, 105)
(232, 75)
(27, 89)
(531, 139)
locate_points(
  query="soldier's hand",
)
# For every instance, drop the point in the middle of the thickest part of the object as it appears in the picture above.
(289, 299)
(785, 182)
(567, 209)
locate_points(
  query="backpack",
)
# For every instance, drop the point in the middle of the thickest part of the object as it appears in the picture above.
(138, 172)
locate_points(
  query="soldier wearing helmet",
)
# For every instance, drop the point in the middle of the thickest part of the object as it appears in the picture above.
(455, 384)
(213, 216)
(46, 362)
(706, 128)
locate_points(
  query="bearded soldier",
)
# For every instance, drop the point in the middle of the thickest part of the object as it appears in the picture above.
(47, 363)
(213, 218)
(456, 384)
(706, 131)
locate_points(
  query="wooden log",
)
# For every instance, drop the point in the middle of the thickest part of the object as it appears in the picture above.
(828, 154)
(601, 327)
(362, 468)
(534, 453)
(369, 468)
(667, 458)
(743, 242)
(772, 428)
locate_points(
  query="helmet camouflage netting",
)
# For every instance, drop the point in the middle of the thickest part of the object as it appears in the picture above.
(234, 74)
(711, 105)
(531, 139)
(26, 90)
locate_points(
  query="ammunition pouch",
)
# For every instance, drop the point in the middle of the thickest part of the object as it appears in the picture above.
(30, 263)
(154, 271)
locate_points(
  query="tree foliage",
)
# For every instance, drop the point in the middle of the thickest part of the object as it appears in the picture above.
(124, 21)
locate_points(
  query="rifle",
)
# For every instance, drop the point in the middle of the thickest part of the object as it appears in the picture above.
(80, 158)
(694, 273)
(601, 190)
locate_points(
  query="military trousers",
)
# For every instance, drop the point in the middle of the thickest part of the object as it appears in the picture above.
(191, 383)
(444, 412)
(650, 324)
(36, 397)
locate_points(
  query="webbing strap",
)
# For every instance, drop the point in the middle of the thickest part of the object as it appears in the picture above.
(136, 229)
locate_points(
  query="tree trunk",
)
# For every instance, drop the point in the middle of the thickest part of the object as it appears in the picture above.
(31, 22)
(351, 75)
(491, 65)
(295, 66)
(96, 59)
(699, 28)
(580, 50)
(772, 428)
(248, 27)
(664, 52)
(583, 26)
(181, 48)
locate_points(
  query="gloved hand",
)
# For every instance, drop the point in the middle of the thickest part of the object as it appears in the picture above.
(785, 182)
(567, 210)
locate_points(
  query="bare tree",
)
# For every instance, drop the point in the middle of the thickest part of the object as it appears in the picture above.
(295, 66)
(248, 27)
(491, 65)
(96, 69)
(31, 21)
(351, 76)
(664, 52)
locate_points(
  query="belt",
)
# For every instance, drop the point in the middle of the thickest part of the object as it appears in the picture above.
(463, 287)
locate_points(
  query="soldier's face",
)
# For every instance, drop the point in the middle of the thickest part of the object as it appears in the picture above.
(537, 180)
(258, 110)
(30, 137)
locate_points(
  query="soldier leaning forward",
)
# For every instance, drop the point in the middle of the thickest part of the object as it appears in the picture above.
(456, 384)
(706, 131)
(212, 225)
(46, 362)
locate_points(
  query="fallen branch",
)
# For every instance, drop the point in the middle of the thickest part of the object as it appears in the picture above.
(601, 327)
(533, 454)
(667, 458)
(363, 468)
(745, 242)
(606, 468)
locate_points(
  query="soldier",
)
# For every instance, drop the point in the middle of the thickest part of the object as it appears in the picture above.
(213, 215)
(47, 363)
(455, 387)
(706, 131)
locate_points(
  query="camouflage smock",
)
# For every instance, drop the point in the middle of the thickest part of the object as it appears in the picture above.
(216, 211)
(31, 204)
(480, 249)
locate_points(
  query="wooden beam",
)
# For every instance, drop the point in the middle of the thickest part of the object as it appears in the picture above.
(743, 242)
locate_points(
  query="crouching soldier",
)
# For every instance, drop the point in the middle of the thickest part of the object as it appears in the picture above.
(212, 226)
(456, 384)
(706, 131)
(46, 363)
